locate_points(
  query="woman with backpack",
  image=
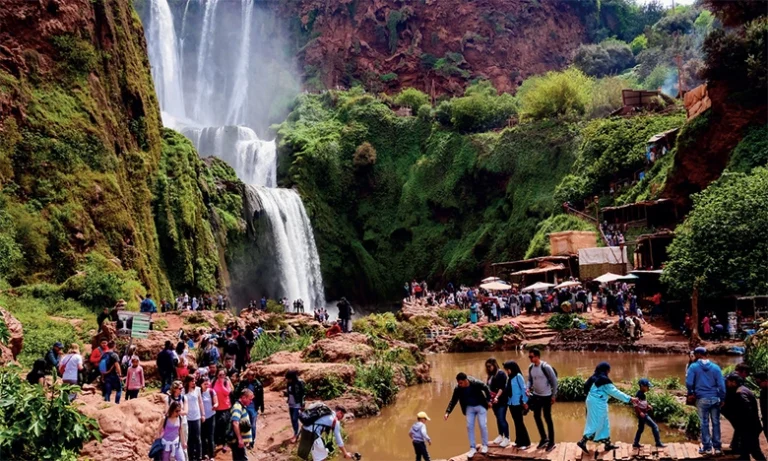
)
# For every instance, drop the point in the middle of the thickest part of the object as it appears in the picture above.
(294, 391)
(176, 395)
(172, 434)
(208, 429)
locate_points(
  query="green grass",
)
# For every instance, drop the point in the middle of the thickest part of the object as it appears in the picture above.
(268, 344)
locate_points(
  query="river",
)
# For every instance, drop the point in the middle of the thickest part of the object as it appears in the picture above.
(385, 437)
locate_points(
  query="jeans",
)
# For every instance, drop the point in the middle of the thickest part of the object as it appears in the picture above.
(238, 454)
(421, 451)
(641, 422)
(194, 441)
(252, 415)
(112, 382)
(166, 379)
(132, 394)
(206, 435)
(481, 414)
(709, 408)
(294, 412)
(501, 420)
(538, 403)
(222, 426)
(521, 432)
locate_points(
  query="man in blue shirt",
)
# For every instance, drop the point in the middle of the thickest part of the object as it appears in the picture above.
(704, 381)
(147, 305)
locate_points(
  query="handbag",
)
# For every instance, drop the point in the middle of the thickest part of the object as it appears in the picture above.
(156, 450)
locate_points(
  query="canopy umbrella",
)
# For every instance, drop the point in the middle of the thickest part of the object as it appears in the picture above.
(568, 284)
(495, 286)
(538, 286)
(608, 277)
(631, 278)
(491, 279)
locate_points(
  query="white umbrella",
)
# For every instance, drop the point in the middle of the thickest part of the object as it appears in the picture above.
(538, 286)
(568, 284)
(495, 286)
(608, 277)
(491, 279)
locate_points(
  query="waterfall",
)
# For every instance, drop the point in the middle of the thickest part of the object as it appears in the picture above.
(229, 66)
(164, 56)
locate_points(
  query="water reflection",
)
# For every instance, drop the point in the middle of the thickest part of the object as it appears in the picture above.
(385, 438)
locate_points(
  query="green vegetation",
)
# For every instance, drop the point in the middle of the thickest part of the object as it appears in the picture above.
(571, 389)
(718, 244)
(40, 423)
(327, 387)
(608, 57)
(413, 98)
(539, 245)
(565, 321)
(379, 377)
(386, 326)
(454, 316)
(267, 344)
(751, 152)
(480, 109)
(554, 94)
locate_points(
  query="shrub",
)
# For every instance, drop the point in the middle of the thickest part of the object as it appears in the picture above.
(425, 112)
(390, 77)
(413, 98)
(400, 356)
(492, 334)
(40, 423)
(752, 151)
(455, 316)
(480, 109)
(365, 155)
(267, 344)
(606, 58)
(639, 44)
(665, 405)
(379, 378)
(605, 96)
(274, 307)
(76, 55)
(554, 94)
(571, 389)
(160, 325)
(326, 388)
(565, 321)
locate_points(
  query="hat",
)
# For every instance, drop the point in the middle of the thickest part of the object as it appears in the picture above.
(58, 344)
(700, 351)
(644, 382)
(423, 415)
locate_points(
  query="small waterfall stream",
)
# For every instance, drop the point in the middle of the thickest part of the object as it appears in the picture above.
(218, 83)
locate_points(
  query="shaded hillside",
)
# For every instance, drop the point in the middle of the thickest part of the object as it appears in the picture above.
(390, 44)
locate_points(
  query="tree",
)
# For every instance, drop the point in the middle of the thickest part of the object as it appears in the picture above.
(554, 94)
(413, 98)
(365, 156)
(722, 240)
(639, 44)
(608, 57)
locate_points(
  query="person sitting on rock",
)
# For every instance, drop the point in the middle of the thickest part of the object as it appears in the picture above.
(334, 330)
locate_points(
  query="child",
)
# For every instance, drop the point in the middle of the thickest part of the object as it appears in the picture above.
(419, 436)
(643, 409)
(134, 379)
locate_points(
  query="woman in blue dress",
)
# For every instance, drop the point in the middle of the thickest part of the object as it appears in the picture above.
(599, 389)
(473, 312)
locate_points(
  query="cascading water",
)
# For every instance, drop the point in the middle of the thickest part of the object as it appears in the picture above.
(220, 83)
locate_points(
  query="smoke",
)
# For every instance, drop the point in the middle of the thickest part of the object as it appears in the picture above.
(669, 87)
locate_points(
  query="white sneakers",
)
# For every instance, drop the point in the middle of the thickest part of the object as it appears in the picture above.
(472, 453)
(498, 440)
(484, 449)
(505, 443)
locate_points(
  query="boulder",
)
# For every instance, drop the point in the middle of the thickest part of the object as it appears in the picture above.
(16, 339)
(340, 348)
(359, 403)
(274, 375)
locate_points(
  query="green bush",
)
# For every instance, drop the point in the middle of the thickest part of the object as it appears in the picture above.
(40, 423)
(554, 94)
(638, 44)
(379, 378)
(413, 98)
(565, 321)
(751, 152)
(455, 316)
(77, 55)
(492, 334)
(571, 389)
(605, 96)
(328, 387)
(267, 344)
(365, 155)
(274, 307)
(606, 58)
(480, 109)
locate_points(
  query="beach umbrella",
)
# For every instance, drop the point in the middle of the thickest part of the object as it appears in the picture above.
(607, 278)
(495, 286)
(538, 286)
(631, 278)
(568, 284)
(491, 279)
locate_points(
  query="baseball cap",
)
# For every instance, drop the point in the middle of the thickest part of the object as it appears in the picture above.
(700, 350)
(423, 415)
(644, 382)
(58, 344)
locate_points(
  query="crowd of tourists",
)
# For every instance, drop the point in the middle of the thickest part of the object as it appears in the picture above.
(507, 388)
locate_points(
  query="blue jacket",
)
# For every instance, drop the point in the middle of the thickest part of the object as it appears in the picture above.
(516, 391)
(705, 379)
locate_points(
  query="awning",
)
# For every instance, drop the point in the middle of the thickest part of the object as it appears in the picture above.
(568, 284)
(608, 277)
(539, 286)
(602, 255)
(490, 279)
(628, 278)
(495, 286)
(657, 272)
(661, 136)
(540, 270)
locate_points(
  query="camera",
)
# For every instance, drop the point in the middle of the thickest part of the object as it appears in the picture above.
(357, 456)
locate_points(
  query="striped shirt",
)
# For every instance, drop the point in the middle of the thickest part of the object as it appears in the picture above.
(239, 412)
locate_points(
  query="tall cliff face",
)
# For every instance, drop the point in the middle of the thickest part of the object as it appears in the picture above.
(434, 45)
(82, 160)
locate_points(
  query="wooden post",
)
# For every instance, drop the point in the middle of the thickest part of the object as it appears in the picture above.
(695, 339)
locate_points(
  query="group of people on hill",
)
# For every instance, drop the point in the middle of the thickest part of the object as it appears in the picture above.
(194, 303)
(508, 388)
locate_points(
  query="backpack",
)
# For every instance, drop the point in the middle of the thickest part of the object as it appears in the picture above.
(542, 366)
(313, 412)
(106, 362)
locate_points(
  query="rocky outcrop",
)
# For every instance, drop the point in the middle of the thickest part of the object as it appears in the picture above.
(11, 350)
(340, 349)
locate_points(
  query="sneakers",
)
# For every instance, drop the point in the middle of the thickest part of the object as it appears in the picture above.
(702, 451)
(542, 444)
(637, 445)
(718, 452)
(471, 453)
(660, 445)
(484, 449)
(583, 445)
(498, 440)
(550, 446)
(523, 448)
(505, 443)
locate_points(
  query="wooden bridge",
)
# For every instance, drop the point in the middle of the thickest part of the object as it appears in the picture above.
(570, 452)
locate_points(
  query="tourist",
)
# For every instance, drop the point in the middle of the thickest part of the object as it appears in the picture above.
(643, 410)
(52, 358)
(166, 367)
(211, 353)
(94, 360)
(223, 387)
(181, 361)
(517, 400)
(229, 366)
(127, 359)
(497, 382)
(71, 365)
(328, 423)
(134, 381)
(599, 389)
(242, 350)
(208, 428)
(241, 426)
(231, 348)
(176, 394)
(37, 374)
(147, 305)
(743, 405)
(295, 392)
(345, 314)
(109, 367)
(101, 318)
(172, 434)
(474, 396)
(542, 390)
(706, 328)
(706, 387)
(334, 330)
(250, 340)
(419, 436)
(407, 292)
(473, 312)
(761, 378)
(250, 382)
(195, 416)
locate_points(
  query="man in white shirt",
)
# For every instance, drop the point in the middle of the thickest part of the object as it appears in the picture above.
(330, 423)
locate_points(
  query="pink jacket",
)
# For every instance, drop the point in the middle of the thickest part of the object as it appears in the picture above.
(134, 378)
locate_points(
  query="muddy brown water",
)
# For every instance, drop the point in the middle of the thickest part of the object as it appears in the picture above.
(385, 437)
